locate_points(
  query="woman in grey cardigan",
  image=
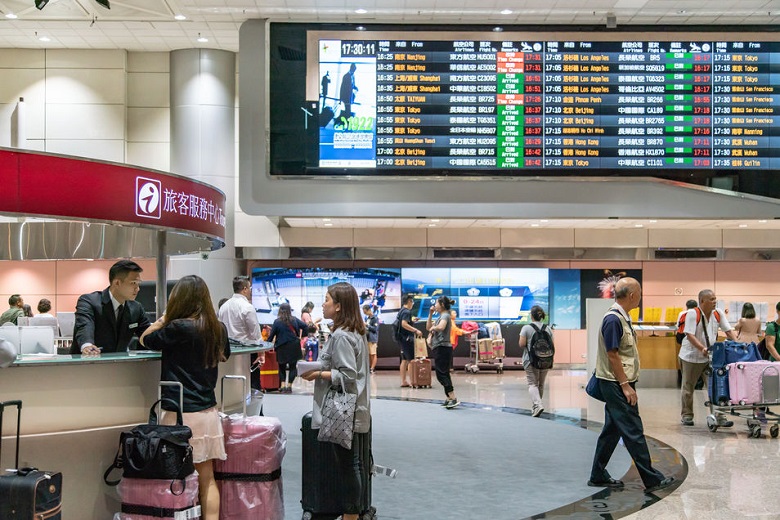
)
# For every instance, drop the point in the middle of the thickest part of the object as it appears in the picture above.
(345, 364)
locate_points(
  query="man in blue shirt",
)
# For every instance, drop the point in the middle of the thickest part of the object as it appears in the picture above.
(617, 370)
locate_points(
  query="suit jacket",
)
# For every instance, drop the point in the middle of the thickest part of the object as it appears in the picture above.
(96, 323)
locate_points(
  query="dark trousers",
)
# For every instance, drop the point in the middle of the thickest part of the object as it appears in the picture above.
(291, 375)
(442, 360)
(351, 471)
(622, 420)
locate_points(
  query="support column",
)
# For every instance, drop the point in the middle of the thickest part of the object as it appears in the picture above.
(203, 147)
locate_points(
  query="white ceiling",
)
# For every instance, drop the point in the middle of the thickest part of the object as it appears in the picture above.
(149, 25)
(385, 223)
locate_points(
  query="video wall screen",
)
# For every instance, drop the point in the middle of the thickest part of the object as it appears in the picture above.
(481, 103)
(493, 294)
(498, 294)
(381, 288)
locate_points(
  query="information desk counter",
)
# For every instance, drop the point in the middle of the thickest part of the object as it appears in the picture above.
(657, 356)
(73, 410)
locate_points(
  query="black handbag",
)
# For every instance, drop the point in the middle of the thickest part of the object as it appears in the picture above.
(154, 451)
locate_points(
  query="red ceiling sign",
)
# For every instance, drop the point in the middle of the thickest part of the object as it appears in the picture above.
(36, 184)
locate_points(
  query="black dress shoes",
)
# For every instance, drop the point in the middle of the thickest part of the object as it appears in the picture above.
(609, 483)
(665, 483)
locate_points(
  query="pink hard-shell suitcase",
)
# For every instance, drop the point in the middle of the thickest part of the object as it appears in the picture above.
(753, 382)
(250, 480)
(153, 499)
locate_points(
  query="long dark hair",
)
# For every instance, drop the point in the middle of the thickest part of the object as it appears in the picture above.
(285, 313)
(348, 317)
(190, 299)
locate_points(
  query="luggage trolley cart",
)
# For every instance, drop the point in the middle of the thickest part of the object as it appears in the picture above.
(484, 359)
(755, 413)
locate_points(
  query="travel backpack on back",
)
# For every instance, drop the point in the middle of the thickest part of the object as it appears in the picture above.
(397, 329)
(680, 334)
(541, 349)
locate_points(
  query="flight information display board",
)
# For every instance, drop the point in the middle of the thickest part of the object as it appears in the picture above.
(406, 104)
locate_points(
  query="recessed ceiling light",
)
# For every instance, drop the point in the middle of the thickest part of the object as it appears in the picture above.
(653, 221)
(326, 220)
(498, 29)
(328, 224)
(360, 28)
(544, 220)
(506, 11)
(361, 11)
(682, 11)
(44, 38)
(435, 220)
(180, 17)
(202, 39)
(534, 225)
(11, 16)
(762, 221)
(431, 225)
(743, 225)
(638, 225)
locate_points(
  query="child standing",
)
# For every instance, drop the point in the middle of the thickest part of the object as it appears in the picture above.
(311, 345)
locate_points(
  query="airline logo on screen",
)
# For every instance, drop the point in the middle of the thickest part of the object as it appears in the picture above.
(147, 198)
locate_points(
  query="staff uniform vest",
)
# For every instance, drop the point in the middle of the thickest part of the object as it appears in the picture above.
(627, 351)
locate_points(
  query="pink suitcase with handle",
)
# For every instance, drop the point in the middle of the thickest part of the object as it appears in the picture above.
(250, 479)
(152, 499)
(752, 382)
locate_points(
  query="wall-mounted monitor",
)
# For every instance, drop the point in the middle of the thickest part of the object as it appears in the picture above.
(401, 101)
(380, 288)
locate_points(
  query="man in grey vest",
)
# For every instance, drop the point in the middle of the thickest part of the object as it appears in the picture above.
(617, 370)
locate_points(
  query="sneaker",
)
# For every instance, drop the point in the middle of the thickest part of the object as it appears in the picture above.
(665, 483)
(451, 403)
(725, 423)
(686, 421)
(536, 411)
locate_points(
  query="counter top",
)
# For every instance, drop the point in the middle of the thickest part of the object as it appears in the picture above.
(37, 360)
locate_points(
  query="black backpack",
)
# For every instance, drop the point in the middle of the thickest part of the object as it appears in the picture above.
(541, 349)
(399, 333)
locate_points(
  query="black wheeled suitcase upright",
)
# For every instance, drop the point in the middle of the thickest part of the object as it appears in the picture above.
(321, 493)
(26, 493)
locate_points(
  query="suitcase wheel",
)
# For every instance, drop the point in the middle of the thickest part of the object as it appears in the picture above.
(773, 431)
(712, 423)
(755, 431)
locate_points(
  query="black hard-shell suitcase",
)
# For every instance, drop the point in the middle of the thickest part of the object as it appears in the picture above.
(26, 493)
(321, 494)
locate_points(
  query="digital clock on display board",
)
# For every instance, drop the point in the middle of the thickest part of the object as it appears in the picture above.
(358, 48)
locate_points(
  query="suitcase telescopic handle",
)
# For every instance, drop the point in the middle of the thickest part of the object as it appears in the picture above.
(18, 405)
(181, 393)
(222, 391)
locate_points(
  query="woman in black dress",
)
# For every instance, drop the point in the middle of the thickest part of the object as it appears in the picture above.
(286, 333)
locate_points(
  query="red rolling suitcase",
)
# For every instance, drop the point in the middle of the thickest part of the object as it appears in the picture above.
(250, 480)
(28, 493)
(269, 372)
(420, 373)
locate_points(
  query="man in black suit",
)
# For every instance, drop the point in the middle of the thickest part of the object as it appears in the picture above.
(107, 320)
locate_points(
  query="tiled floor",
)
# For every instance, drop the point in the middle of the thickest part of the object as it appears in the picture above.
(729, 476)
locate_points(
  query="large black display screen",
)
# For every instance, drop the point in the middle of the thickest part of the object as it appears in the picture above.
(403, 103)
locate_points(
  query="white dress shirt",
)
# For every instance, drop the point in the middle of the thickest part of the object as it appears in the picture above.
(240, 319)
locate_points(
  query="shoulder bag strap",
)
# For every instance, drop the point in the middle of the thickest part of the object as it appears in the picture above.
(704, 328)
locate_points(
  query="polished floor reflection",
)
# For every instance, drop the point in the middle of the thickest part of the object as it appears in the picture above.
(729, 474)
